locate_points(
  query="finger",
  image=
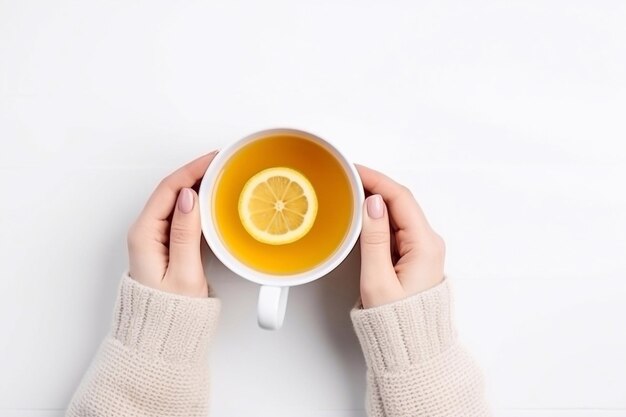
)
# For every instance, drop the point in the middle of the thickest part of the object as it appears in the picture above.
(405, 212)
(185, 261)
(379, 283)
(146, 260)
(163, 199)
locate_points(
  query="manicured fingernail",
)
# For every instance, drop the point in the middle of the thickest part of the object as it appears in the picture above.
(375, 206)
(185, 200)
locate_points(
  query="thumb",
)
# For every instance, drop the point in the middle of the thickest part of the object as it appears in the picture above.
(185, 262)
(379, 283)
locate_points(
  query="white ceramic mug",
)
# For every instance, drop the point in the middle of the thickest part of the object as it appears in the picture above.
(275, 289)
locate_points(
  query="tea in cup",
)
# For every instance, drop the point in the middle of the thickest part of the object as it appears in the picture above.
(281, 207)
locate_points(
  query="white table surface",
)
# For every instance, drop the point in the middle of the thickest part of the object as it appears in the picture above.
(506, 119)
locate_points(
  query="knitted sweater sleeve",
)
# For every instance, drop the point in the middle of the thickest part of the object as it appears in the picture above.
(415, 364)
(154, 361)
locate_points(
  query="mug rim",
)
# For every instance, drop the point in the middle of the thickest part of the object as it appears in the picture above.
(217, 246)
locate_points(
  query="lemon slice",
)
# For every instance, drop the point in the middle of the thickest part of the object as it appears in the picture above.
(278, 206)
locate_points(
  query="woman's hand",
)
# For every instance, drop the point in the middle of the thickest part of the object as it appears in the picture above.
(401, 255)
(164, 242)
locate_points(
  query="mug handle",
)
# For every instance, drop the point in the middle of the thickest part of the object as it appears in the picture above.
(272, 306)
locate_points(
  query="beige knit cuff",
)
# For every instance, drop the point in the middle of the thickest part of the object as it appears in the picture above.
(407, 332)
(171, 327)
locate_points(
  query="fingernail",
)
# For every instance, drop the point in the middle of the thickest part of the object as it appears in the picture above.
(185, 200)
(375, 206)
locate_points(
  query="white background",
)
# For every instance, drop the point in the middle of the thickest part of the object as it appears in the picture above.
(506, 119)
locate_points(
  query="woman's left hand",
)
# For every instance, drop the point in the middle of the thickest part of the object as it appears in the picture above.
(164, 242)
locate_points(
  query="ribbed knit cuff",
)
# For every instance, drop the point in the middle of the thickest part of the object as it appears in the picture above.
(154, 323)
(407, 332)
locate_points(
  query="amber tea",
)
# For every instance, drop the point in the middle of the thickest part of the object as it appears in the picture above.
(282, 204)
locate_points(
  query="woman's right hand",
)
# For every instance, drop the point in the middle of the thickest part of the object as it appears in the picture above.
(401, 255)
